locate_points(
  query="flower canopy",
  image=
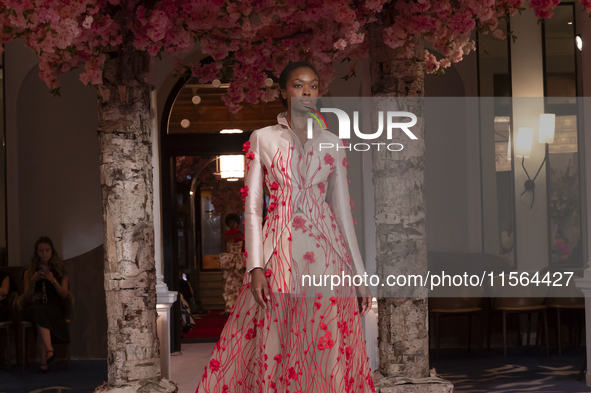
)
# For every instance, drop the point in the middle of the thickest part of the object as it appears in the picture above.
(248, 41)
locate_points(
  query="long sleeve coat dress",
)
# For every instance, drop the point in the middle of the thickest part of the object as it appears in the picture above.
(310, 340)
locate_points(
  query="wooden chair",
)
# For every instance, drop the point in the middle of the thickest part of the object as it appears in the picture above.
(520, 300)
(567, 299)
(466, 301)
(28, 326)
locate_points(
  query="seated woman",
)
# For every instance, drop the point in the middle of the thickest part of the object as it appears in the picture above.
(46, 287)
(7, 285)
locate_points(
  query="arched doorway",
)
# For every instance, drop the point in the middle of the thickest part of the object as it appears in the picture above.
(192, 213)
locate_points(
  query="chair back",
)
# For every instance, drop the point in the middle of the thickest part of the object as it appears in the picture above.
(519, 296)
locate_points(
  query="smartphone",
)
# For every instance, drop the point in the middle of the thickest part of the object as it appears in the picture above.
(184, 276)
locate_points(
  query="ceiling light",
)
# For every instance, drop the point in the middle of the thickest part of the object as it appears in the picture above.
(185, 123)
(196, 100)
(231, 131)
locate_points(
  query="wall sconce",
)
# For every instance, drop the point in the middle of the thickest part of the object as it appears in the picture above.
(523, 145)
(579, 42)
(230, 168)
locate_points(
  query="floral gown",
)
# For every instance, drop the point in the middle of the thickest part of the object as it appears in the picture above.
(310, 340)
(232, 266)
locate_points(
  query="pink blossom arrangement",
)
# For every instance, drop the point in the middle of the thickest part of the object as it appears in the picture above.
(249, 41)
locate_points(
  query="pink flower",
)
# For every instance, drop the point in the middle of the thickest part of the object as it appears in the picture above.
(500, 34)
(340, 44)
(328, 159)
(87, 24)
(309, 257)
(322, 187)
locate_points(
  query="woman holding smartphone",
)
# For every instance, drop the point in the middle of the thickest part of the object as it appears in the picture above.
(46, 285)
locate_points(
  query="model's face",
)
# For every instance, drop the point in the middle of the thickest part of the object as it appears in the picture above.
(302, 85)
(44, 252)
(232, 224)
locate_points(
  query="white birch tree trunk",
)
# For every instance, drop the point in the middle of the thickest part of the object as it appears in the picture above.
(399, 179)
(126, 181)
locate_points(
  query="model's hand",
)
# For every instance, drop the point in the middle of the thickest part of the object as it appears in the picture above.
(259, 287)
(365, 299)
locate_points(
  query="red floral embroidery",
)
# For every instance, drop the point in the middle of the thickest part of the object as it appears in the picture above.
(268, 273)
(328, 159)
(309, 257)
(333, 300)
(321, 343)
(272, 206)
(317, 305)
(349, 352)
(250, 155)
(345, 162)
(351, 202)
(291, 373)
(244, 192)
(322, 187)
(214, 365)
(274, 186)
(299, 222)
(278, 358)
(250, 334)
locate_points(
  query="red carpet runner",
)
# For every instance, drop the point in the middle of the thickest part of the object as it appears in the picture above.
(208, 327)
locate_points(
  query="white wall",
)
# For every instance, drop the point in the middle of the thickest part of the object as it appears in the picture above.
(528, 81)
(58, 166)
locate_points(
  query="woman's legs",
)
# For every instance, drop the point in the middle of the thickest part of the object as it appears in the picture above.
(44, 343)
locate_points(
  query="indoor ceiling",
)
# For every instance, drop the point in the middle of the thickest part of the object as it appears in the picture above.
(211, 115)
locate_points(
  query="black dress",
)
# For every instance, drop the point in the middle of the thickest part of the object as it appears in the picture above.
(48, 314)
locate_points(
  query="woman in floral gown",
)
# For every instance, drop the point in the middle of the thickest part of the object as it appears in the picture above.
(231, 262)
(282, 335)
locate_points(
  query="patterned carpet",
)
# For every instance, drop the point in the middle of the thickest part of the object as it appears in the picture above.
(523, 370)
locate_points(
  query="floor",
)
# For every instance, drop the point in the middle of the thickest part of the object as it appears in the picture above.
(188, 365)
(523, 370)
(83, 376)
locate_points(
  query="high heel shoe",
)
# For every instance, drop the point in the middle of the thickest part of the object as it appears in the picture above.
(50, 359)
